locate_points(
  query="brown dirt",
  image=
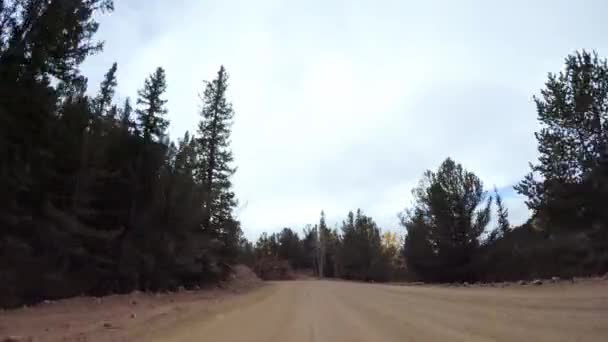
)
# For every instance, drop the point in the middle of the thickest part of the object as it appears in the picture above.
(304, 275)
(118, 317)
(273, 268)
(337, 311)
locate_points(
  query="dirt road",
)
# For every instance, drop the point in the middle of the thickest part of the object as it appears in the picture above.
(343, 311)
(327, 311)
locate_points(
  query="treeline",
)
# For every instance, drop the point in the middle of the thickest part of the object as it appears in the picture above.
(356, 251)
(448, 237)
(94, 197)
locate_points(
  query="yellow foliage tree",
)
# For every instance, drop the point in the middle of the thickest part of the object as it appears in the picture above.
(390, 246)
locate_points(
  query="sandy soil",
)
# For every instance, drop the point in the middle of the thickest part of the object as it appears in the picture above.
(332, 311)
(119, 317)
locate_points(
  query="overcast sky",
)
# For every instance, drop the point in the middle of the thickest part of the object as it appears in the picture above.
(344, 104)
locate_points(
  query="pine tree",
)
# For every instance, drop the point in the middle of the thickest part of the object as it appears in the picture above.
(43, 38)
(125, 115)
(103, 102)
(215, 158)
(360, 249)
(309, 244)
(40, 41)
(572, 142)
(502, 213)
(101, 120)
(150, 115)
(446, 222)
(185, 160)
(290, 248)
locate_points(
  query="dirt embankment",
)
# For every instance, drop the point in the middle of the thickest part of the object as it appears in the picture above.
(117, 317)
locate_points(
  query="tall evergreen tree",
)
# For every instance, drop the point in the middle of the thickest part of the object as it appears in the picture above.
(572, 142)
(39, 41)
(289, 246)
(502, 213)
(152, 111)
(361, 248)
(446, 222)
(185, 160)
(103, 102)
(125, 115)
(215, 159)
(309, 247)
(102, 119)
(44, 38)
